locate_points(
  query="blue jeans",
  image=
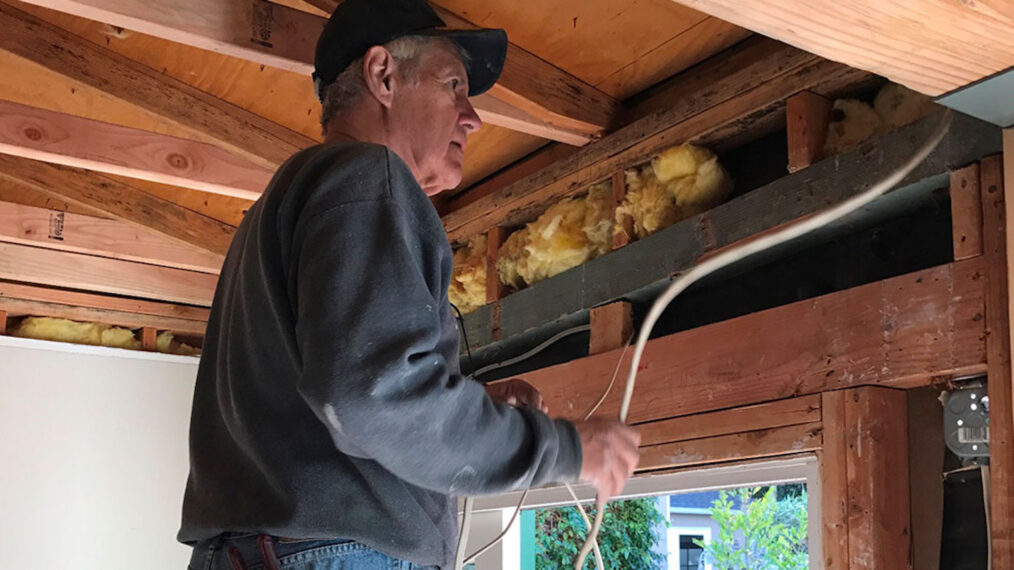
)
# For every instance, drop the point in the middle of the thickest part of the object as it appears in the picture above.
(338, 554)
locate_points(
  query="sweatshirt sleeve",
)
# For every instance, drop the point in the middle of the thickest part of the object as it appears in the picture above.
(368, 331)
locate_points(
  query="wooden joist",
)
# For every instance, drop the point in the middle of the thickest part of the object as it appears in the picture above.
(86, 272)
(532, 96)
(807, 116)
(206, 118)
(23, 300)
(64, 139)
(107, 197)
(646, 265)
(904, 332)
(949, 44)
(729, 97)
(99, 236)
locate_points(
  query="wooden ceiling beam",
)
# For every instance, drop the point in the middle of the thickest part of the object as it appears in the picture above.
(60, 138)
(932, 46)
(30, 300)
(107, 197)
(206, 118)
(532, 95)
(62, 231)
(90, 273)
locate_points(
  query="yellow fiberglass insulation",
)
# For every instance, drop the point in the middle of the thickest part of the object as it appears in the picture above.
(468, 281)
(899, 106)
(165, 342)
(63, 330)
(680, 182)
(568, 234)
(855, 121)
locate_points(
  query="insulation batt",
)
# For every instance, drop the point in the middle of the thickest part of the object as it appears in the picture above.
(468, 280)
(856, 121)
(568, 234)
(96, 334)
(63, 330)
(680, 182)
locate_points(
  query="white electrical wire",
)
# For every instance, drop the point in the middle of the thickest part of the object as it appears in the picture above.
(525, 356)
(741, 252)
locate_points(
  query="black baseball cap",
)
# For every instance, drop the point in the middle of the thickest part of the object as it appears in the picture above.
(357, 25)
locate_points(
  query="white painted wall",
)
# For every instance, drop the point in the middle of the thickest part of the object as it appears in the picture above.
(93, 456)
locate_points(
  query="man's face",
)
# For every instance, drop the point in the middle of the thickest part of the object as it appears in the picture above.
(433, 117)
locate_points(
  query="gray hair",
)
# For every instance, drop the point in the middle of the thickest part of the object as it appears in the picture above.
(350, 83)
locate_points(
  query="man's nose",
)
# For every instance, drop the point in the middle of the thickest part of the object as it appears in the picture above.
(468, 118)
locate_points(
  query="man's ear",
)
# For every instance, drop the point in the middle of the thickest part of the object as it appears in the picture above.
(379, 73)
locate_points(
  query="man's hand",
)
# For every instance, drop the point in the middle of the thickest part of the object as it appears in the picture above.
(609, 454)
(516, 392)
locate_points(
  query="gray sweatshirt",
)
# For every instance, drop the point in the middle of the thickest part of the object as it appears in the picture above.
(329, 401)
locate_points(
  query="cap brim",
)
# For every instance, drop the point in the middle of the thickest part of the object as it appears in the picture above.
(486, 50)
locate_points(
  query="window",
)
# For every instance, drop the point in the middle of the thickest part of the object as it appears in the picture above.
(676, 507)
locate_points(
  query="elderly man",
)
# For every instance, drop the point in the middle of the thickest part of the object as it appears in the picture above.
(331, 427)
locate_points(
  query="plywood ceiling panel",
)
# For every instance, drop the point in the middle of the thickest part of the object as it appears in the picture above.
(493, 148)
(597, 39)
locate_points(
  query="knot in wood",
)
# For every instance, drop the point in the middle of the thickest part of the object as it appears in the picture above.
(33, 134)
(178, 161)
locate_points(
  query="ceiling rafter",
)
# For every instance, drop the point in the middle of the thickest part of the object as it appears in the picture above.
(107, 197)
(60, 138)
(532, 95)
(28, 225)
(207, 118)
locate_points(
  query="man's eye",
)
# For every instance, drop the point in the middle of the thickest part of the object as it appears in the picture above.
(455, 83)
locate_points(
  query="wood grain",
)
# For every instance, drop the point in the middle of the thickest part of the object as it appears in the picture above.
(201, 116)
(90, 273)
(545, 100)
(494, 287)
(950, 44)
(903, 331)
(878, 497)
(64, 139)
(108, 197)
(97, 236)
(735, 447)
(834, 488)
(998, 349)
(149, 336)
(780, 413)
(612, 326)
(966, 212)
(127, 319)
(76, 299)
(807, 116)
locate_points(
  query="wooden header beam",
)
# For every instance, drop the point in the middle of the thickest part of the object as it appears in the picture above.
(532, 96)
(63, 231)
(64, 139)
(107, 197)
(933, 46)
(903, 332)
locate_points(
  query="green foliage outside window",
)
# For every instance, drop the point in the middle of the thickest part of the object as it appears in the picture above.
(763, 533)
(627, 538)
